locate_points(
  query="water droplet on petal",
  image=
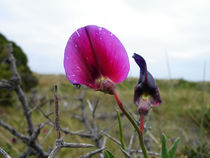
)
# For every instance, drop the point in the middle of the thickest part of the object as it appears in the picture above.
(78, 34)
(75, 45)
(100, 28)
(111, 34)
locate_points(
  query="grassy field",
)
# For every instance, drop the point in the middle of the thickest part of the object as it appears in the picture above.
(184, 104)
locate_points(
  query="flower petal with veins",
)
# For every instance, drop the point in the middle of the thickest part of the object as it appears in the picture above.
(92, 53)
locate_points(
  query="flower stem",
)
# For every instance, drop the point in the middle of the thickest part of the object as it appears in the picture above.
(121, 131)
(142, 124)
(140, 134)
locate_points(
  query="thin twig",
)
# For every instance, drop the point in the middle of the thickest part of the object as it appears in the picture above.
(59, 141)
(112, 138)
(5, 85)
(140, 151)
(103, 146)
(132, 140)
(125, 152)
(14, 132)
(48, 133)
(4, 153)
(89, 154)
(57, 120)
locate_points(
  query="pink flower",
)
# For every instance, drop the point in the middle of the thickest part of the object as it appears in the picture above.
(96, 58)
(44, 131)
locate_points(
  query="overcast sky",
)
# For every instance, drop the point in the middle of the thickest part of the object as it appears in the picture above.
(176, 30)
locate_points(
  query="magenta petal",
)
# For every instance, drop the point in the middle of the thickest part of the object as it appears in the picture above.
(110, 53)
(93, 52)
(79, 62)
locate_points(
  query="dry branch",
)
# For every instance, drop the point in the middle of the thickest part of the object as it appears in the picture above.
(59, 141)
(4, 153)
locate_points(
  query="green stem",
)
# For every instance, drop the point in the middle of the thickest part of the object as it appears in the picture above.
(121, 131)
(140, 134)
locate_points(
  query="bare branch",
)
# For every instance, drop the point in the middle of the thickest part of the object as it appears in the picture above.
(61, 144)
(15, 82)
(103, 146)
(90, 105)
(112, 138)
(59, 141)
(48, 133)
(125, 152)
(74, 116)
(4, 153)
(57, 120)
(132, 140)
(56, 148)
(149, 152)
(36, 132)
(14, 132)
(95, 107)
(88, 155)
(5, 85)
(26, 153)
(79, 133)
(108, 116)
(76, 145)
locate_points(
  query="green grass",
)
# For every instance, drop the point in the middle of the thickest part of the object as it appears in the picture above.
(178, 116)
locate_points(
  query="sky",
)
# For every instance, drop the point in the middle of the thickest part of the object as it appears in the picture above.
(173, 36)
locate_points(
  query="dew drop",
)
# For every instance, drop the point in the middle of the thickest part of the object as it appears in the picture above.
(100, 28)
(78, 34)
(78, 68)
(75, 45)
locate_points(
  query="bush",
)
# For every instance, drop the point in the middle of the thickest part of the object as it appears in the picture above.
(196, 153)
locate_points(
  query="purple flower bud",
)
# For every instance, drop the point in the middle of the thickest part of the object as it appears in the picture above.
(14, 140)
(146, 91)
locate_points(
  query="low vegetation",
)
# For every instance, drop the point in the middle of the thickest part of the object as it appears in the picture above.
(184, 113)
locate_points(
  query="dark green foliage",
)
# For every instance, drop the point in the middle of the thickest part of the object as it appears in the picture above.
(164, 149)
(185, 84)
(196, 153)
(122, 141)
(172, 149)
(28, 79)
(195, 115)
(108, 154)
(168, 153)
